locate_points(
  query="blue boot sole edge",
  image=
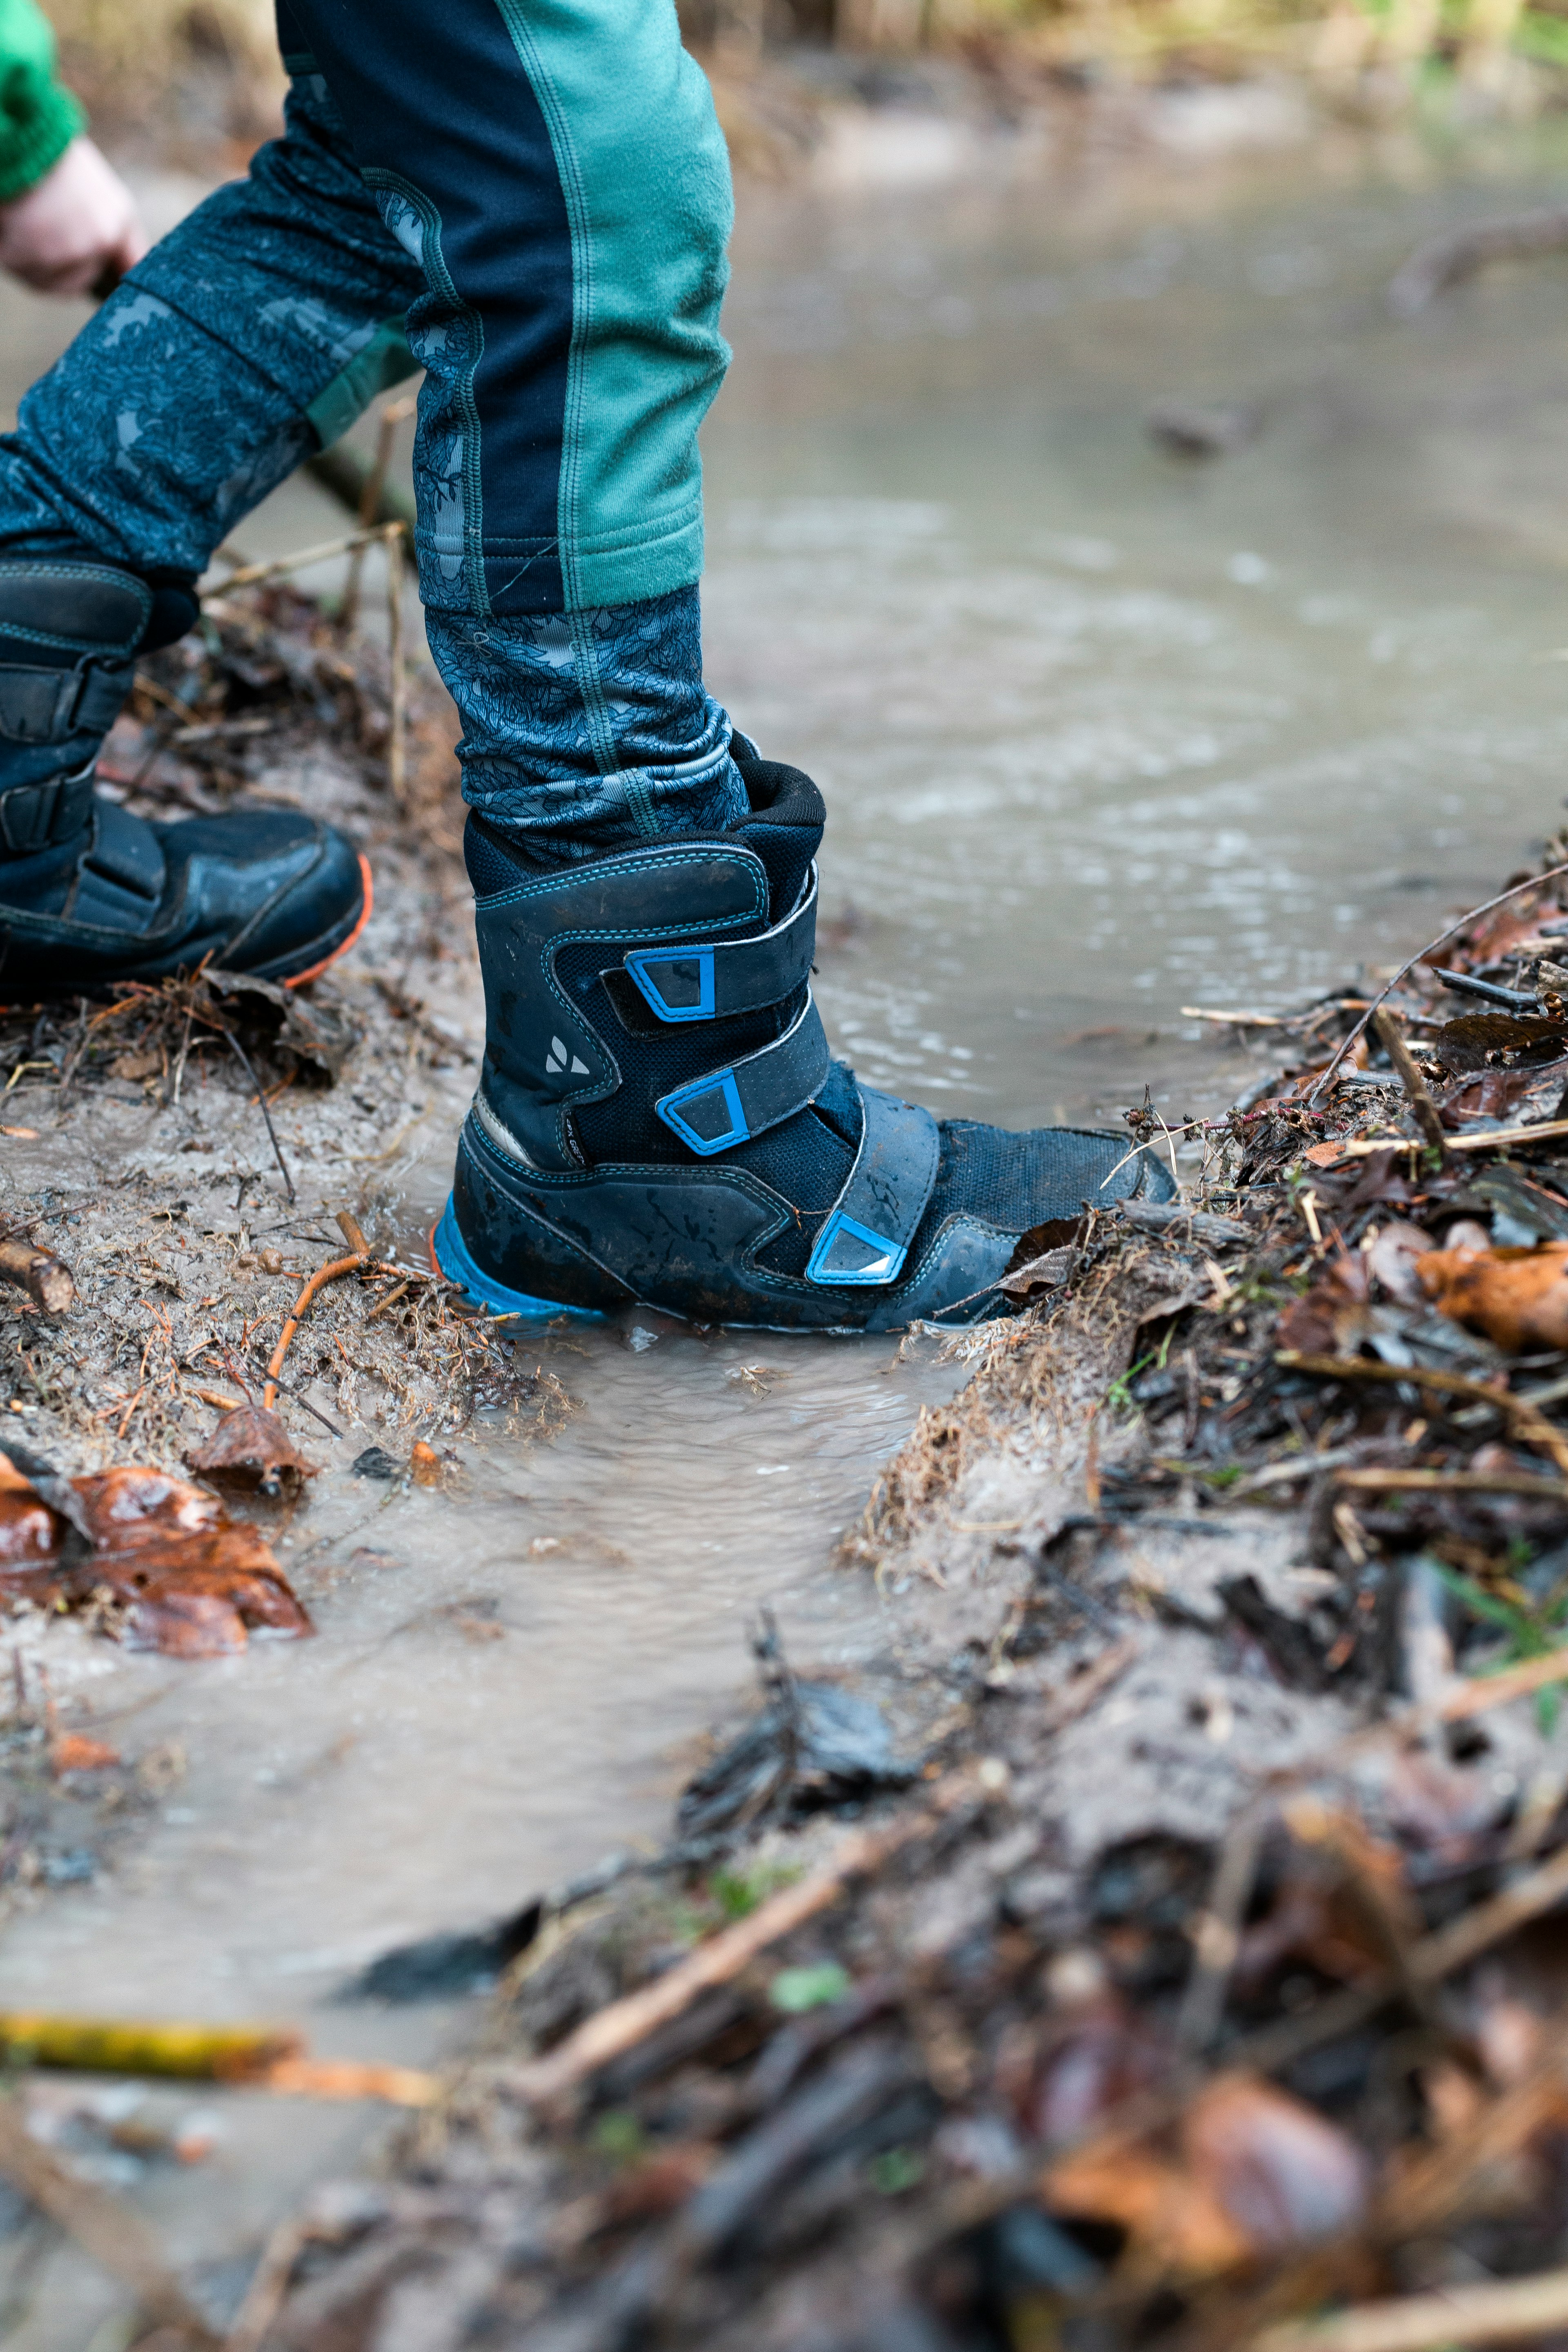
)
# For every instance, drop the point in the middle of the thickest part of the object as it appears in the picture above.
(454, 1262)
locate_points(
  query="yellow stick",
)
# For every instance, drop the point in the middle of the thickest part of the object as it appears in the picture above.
(116, 2046)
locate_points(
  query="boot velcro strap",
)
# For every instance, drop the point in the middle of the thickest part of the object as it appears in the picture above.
(708, 983)
(37, 816)
(869, 1228)
(722, 1110)
(49, 706)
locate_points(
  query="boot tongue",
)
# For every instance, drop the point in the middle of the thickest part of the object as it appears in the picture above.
(783, 827)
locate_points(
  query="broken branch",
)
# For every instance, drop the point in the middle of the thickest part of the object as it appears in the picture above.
(1417, 1093)
(1502, 2311)
(46, 1280)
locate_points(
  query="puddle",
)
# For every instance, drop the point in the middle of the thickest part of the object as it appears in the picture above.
(1102, 736)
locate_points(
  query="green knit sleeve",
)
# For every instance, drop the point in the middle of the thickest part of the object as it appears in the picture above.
(38, 117)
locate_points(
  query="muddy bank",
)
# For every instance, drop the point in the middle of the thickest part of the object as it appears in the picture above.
(1163, 1945)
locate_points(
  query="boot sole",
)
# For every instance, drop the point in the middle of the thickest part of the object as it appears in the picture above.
(452, 1261)
(297, 979)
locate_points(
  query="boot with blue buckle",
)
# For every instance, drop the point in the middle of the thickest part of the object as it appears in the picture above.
(89, 894)
(659, 1118)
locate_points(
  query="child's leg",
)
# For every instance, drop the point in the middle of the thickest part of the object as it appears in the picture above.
(555, 168)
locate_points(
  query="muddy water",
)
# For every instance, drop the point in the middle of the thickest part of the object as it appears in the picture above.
(1104, 734)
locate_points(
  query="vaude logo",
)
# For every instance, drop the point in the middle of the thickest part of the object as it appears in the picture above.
(555, 1060)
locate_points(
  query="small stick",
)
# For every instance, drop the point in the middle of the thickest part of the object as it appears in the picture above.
(249, 574)
(720, 1961)
(1240, 1020)
(399, 1291)
(1504, 2311)
(1453, 1482)
(46, 1280)
(1498, 1139)
(1532, 1424)
(322, 1276)
(348, 1225)
(398, 746)
(1218, 1932)
(262, 1097)
(102, 2227)
(1391, 1038)
(394, 414)
(1431, 948)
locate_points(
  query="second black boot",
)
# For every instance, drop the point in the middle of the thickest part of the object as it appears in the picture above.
(659, 1118)
(90, 895)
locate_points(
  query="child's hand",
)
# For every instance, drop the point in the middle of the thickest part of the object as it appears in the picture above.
(76, 231)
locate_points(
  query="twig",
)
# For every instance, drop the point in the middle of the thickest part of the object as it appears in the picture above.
(269, 2285)
(349, 1226)
(1532, 1424)
(235, 1046)
(720, 1961)
(1453, 1482)
(322, 1276)
(399, 1290)
(398, 743)
(250, 574)
(1497, 1140)
(394, 414)
(46, 1280)
(1217, 1931)
(1504, 2311)
(1417, 1092)
(1238, 1020)
(1431, 948)
(102, 2227)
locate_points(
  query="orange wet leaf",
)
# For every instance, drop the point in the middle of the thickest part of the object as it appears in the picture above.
(74, 1752)
(1517, 1298)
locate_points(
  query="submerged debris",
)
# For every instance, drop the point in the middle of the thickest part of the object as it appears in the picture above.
(250, 1448)
(157, 1563)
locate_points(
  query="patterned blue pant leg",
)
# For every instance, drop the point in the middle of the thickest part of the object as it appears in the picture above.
(555, 168)
(254, 333)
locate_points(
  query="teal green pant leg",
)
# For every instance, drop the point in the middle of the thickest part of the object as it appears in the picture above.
(556, 169)
(645, 175)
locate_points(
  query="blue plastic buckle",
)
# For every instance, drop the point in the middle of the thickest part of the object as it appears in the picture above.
(683, 970)
(714, 1097)
(848, 1251)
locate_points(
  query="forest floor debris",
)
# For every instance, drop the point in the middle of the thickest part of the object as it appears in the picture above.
(1205, 1986)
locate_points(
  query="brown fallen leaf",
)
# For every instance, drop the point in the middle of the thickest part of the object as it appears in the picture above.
(1326, 1320)
(1478, 1040)
(189, 1579)
(1172, 2222)
(250, 1448)
(1282, 2174)
(1517, 1298)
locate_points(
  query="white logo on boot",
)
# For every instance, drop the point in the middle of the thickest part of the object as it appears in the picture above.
(556, 1060)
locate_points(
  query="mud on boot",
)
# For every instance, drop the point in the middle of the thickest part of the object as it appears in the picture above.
(659, 1117)
(90, 895)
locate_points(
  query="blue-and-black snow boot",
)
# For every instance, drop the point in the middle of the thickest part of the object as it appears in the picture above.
(90, 895)
(659, 1117)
